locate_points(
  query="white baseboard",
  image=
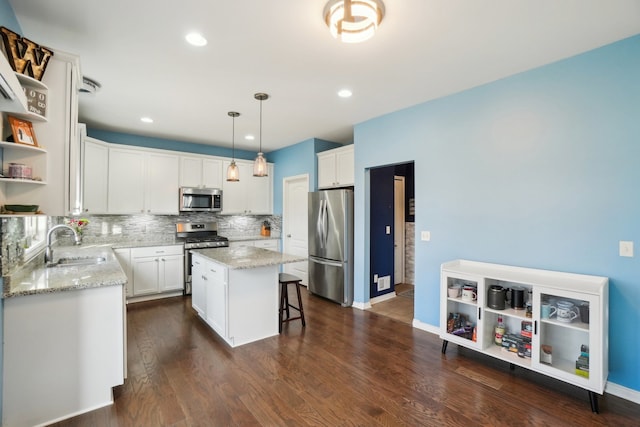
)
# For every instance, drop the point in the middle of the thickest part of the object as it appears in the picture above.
(361, 305)
(623, 392)
(426, 327)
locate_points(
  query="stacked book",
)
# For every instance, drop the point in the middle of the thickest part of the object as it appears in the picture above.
(582, 364)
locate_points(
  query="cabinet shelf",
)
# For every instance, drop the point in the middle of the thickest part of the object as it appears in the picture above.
(30, 81)
(21, 147)
(22, 181)
(509, 312)
(574, 325)
(508, 356)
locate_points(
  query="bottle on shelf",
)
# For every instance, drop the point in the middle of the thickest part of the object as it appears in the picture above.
(500, 330)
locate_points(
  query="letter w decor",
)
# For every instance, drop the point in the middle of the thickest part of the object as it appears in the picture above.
(25, 56)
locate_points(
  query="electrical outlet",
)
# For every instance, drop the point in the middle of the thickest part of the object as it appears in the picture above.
(375, 278)
(425, 236)
(626, 249)
(388, 229)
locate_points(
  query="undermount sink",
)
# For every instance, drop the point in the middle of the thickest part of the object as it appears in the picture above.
(75, 261)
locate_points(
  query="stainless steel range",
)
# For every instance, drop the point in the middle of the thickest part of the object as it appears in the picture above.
(197, 235)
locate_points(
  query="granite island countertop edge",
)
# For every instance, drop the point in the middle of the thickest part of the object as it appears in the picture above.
(246, 257)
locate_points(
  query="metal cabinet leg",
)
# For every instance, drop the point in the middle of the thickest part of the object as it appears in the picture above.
(444, 346)
(593, 399)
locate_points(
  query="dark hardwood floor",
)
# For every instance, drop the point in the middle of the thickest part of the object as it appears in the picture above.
(347, 367)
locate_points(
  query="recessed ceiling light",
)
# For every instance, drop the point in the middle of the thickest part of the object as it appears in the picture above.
(249, 137)
(196, 39)
(344, 93)
(146, 119)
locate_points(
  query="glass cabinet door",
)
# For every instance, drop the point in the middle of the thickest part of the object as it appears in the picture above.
(461, 310)
(567, 342)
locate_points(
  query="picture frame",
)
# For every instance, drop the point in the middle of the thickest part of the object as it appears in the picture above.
(22, 131)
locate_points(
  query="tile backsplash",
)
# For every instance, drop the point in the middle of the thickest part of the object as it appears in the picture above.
(125, 228)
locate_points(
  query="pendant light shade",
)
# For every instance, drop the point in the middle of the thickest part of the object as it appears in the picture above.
(233, 174)
(260, 164)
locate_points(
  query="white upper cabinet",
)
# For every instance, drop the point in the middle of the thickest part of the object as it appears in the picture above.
(202, 172)
(142, 182)
(249, 195)
(95, 155)
(126, 181)
(161, 183)
(336, 167)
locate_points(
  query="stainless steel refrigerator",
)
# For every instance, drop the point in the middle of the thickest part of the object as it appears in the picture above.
(331, 245)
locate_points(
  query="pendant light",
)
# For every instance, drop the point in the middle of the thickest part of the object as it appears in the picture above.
(233, 174)
(260, 164)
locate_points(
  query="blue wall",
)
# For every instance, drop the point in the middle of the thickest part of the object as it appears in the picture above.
(168, 144)
(8, 19)
(540, 170)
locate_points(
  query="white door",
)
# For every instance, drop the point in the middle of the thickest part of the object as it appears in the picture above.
(398, 235)
(294, 224)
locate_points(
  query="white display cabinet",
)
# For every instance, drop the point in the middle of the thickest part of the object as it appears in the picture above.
(566, 340)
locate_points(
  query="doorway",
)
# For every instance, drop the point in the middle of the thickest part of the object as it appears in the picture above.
(294, 224)
(391, 240)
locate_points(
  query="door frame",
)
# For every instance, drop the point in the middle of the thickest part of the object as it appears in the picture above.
(399, 228)
(285, 216)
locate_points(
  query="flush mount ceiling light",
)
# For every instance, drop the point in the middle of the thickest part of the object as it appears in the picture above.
(146, 119)
(196, 39)
(233, 174)
(260, 164)
(353, 21)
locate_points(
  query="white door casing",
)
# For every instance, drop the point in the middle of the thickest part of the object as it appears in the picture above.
(398, 235)
(294, 224)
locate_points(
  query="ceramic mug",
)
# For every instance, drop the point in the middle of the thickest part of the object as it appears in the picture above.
(469, 294)
(454, 291)
(547, 310)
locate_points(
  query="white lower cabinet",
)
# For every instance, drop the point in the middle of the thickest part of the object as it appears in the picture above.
(198, 288)
(555, 323)
(123, 255)
(157, 269)
(240, 305)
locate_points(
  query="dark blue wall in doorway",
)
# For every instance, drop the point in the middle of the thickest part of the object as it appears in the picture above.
(381, 254)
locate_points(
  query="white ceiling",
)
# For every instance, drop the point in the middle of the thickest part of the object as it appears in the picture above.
(424, 49)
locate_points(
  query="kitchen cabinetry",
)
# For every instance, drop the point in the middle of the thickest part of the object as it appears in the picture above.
(142, 182)
(198, 288)
(95, 158)
(200, 172)
(63, 354)
(249, 195)
(56, 136)
(157, 269)
(336, 167)
(123, 255)
(241, 304)
(570, 345)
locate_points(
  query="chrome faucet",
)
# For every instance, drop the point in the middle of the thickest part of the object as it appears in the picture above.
(48, 252)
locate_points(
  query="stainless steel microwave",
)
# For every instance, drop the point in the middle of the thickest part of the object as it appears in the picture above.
(200, 199)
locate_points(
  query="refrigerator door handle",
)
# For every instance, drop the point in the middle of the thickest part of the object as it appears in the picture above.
(326, 262)
(325, 224)
(319, 225)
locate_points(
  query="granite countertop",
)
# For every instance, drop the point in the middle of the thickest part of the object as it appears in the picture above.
(36, 278)
(244, 257)
(244, 237)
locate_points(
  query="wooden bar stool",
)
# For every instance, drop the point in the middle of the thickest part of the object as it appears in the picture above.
(285, 279)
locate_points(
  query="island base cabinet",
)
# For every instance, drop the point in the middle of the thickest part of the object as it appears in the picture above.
(240, 305)
(63, 353)
(555, 323)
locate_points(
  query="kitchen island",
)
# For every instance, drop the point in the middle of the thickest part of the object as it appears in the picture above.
(235, 291)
